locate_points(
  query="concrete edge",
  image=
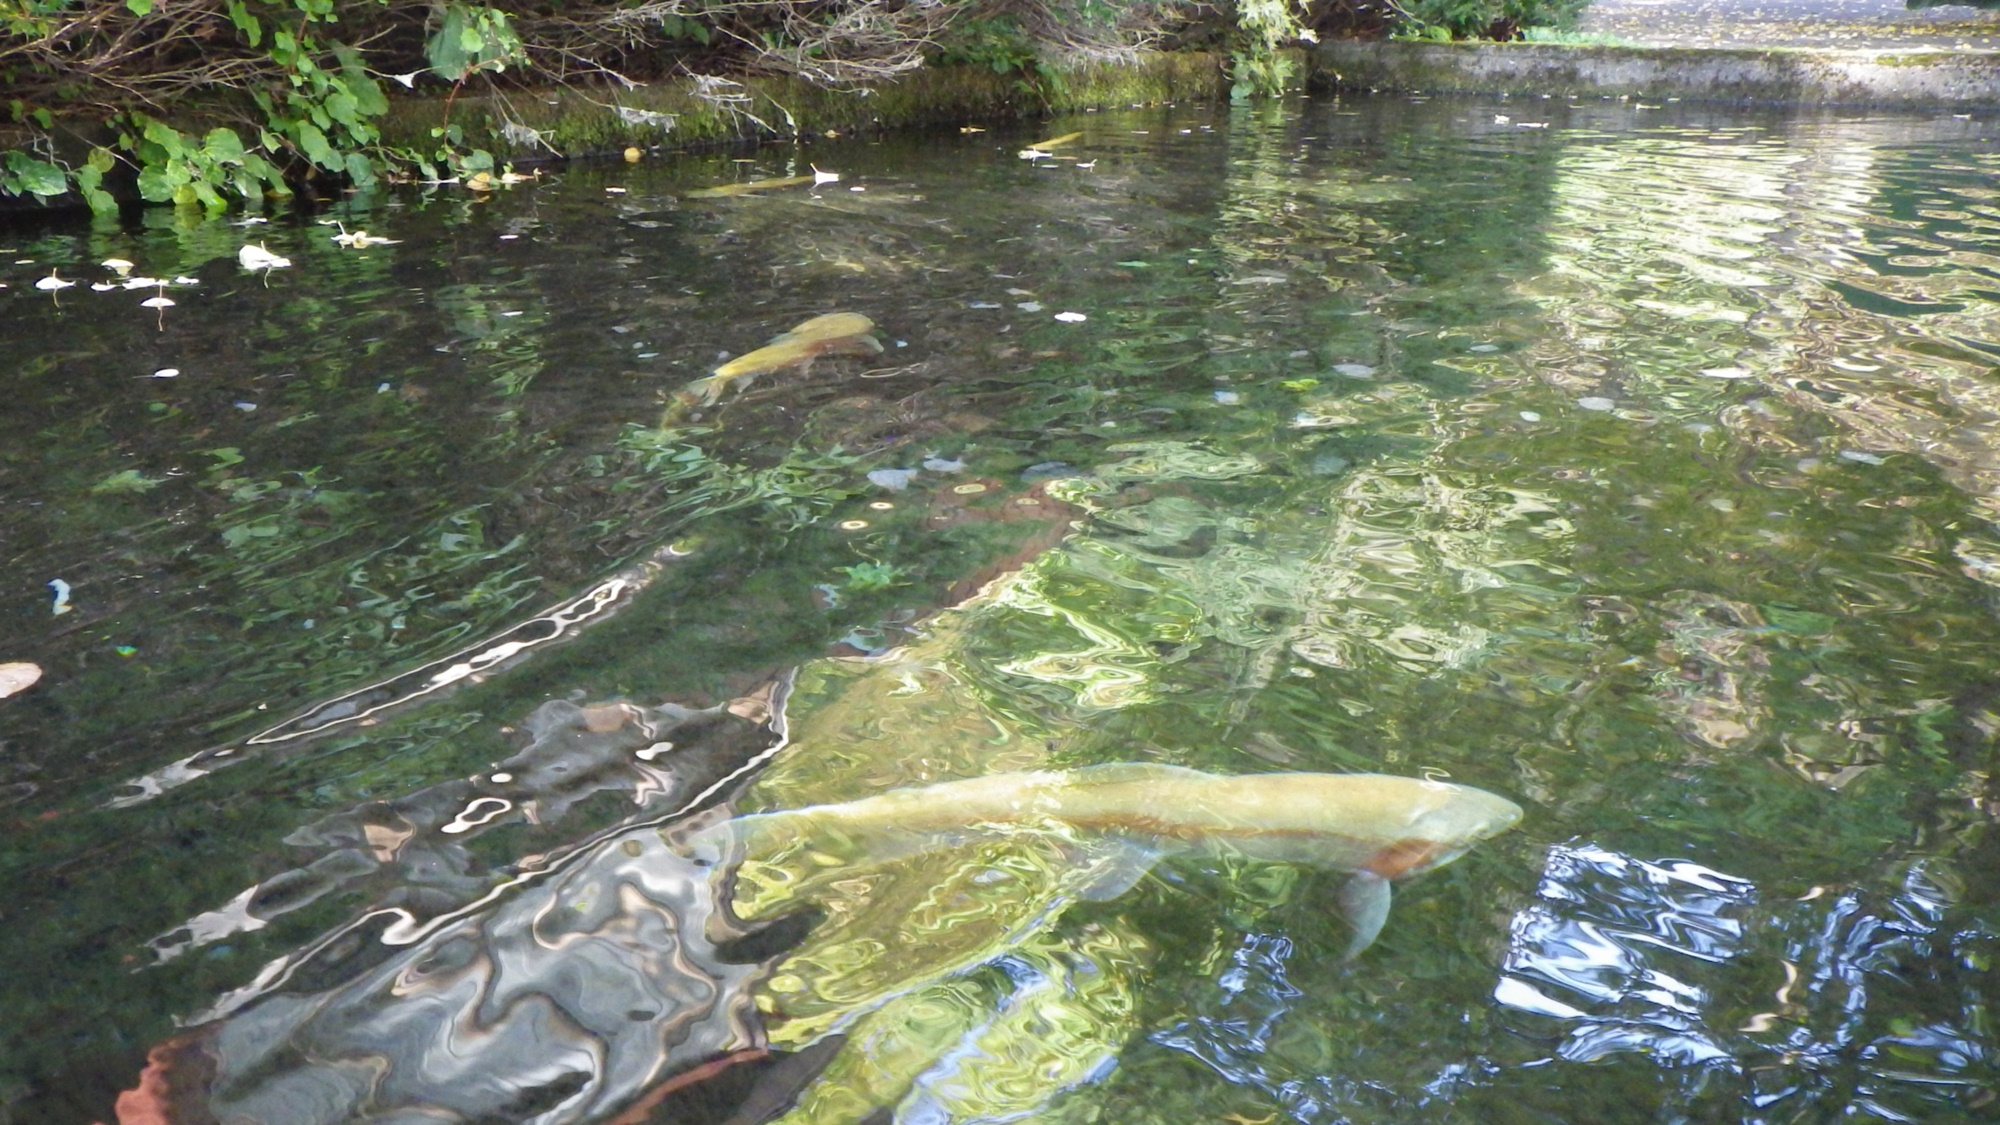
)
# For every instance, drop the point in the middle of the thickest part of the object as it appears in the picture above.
(1775, 76)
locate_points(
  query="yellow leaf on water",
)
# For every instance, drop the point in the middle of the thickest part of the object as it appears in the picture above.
(1053, 142)
(749, 188)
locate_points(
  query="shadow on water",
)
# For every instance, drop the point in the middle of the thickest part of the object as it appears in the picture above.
(1633, 462)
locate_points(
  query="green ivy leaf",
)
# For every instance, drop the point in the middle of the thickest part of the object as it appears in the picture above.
(249, 25)
(342, 107)
(38, 177)
(140, 7)
(206, 195)
(170, 140)
(369, 100)
(154, 187)
(313, 143)
(361, 170)
(88, 179)
(262, 169)
(223, 146)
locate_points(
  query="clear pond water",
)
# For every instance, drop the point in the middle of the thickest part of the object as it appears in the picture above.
(402, 635)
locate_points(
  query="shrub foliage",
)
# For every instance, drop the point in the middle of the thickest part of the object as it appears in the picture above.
(278, 91)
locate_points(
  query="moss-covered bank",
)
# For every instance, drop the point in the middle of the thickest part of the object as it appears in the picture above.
(534, 126)
(695, 113)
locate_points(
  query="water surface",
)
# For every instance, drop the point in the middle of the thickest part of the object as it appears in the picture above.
(1634, 462)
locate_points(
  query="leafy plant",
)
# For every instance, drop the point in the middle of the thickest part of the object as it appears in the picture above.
(1001, 45)
(470, 40)
(309, 102)
(1445, 20)
(873, 575)
(1257, 68)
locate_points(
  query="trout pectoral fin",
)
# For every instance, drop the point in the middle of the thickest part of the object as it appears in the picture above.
(1365, 899)
(708, 390)
(1114, 867)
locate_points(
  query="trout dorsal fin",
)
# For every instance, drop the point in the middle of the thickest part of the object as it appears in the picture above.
(1123, 773)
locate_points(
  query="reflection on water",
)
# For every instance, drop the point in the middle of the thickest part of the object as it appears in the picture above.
(1619, 910)
(1638, 468)
(1617, 957)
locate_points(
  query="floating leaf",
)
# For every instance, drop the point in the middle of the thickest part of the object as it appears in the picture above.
(131, 480)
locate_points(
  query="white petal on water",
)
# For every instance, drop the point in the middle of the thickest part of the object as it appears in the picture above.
(1354, 370)
(166, 373)
(1071, 317)
(1228, 398)
(1595, 403)
(259, 258)
(61, 605)
(1530, 416)
(1029, 306)
(895, 480)
(1858, 455)
(18, 676)
(157, 303)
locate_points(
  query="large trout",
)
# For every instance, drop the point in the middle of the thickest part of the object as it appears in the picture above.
(1379, 827)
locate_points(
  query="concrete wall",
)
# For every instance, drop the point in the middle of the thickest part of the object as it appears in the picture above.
(1954, 79)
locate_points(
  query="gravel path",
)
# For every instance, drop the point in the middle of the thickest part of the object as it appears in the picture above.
(1846, 24)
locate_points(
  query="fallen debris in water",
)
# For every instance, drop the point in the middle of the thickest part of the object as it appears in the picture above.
(18, 676)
